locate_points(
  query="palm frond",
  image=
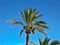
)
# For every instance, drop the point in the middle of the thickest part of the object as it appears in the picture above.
(55, 42)
(14, 22)
(40, 41)
(30, 11)
(42, 31)
(33, 31)
(38, 23)
(26, 12)
(21, 15)
(33, 43)
(21, 32)
(44, 26)
(35, 11)
(35, 17)
(41, 22)
(32, 15)
(46, 41)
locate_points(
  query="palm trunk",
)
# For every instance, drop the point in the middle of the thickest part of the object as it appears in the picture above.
(27, 38)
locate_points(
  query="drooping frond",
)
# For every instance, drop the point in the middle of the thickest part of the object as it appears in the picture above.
(44, 26)
(42, 31)
(14, 22)
(40, 24)
(35, 17)
(33, 31)
(21, 32)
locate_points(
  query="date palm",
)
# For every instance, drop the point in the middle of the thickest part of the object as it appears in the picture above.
(46, 42)
(30, 23)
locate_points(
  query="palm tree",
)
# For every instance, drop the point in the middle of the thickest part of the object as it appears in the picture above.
(30, 22)
(55, 42)
(46, 42)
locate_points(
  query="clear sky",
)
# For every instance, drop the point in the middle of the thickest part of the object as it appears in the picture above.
(10, 8)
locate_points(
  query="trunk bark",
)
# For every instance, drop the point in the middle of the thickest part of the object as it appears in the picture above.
(27, 38)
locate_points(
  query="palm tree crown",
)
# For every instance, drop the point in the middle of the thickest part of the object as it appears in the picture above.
(30, 17)
(31, 23)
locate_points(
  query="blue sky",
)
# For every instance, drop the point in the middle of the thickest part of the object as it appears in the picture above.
(10, 8)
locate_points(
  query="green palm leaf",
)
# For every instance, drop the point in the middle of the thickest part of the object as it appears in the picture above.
(46, 41)
(35, 11)
(26, 12)
(40, 23)
(32, 15)
(40, 41)
(44, 26)
(55, 42)
(30, 11)
(35, 17)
